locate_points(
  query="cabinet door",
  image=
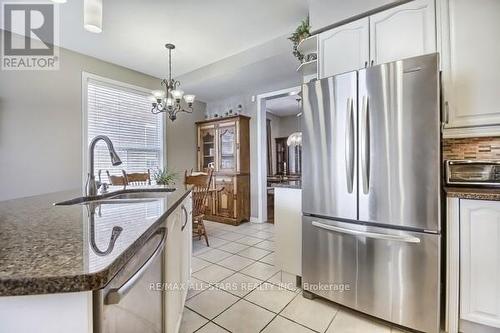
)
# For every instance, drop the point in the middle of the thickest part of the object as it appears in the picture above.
(402, 32)
(480, 262)
(227, 147)
(186, 236)
(206, 146)
(173, 274)
(225, 197)
(471, 67)
(344, 48)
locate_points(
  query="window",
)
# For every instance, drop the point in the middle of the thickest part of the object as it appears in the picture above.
(123, 114)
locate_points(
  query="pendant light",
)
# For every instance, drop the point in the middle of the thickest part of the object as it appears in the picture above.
(295, 139)
(92, 15)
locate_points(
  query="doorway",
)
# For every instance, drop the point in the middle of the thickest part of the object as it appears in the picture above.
(277, 119)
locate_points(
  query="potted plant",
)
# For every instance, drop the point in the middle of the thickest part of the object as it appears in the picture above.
(301, 33)
(164, 177)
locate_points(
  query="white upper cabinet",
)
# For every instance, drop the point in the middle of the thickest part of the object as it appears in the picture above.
(480, 262)
(344, 48)
(402, 32)
(471, 67)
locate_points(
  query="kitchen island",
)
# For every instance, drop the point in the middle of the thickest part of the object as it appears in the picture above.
(68, 251)
(288, 224)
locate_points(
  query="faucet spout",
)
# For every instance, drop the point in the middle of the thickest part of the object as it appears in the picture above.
(91, 188)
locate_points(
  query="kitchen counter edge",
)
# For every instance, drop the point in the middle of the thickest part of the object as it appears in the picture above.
(84, 282)
(473, 193)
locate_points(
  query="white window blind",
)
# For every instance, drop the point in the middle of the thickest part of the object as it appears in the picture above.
(124, 115)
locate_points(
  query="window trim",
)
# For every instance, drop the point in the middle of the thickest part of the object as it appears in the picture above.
(86, 76)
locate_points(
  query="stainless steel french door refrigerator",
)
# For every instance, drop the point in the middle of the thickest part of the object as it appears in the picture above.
(371, 191)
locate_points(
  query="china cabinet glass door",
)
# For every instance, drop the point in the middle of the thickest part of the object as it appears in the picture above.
(227, 148)
(207, 148)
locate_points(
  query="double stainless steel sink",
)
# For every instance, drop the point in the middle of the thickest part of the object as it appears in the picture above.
(119, 197)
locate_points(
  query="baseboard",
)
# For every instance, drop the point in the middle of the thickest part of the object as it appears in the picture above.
(255, 220)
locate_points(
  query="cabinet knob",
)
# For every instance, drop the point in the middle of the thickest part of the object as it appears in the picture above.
(372, 62)
(366, 64)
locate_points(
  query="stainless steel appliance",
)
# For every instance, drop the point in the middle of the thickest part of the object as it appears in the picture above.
(129, 304)
(473, 172)
(371, 191)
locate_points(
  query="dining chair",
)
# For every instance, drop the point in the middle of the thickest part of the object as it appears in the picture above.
(137, 178)
(201, 182)
(116, 180)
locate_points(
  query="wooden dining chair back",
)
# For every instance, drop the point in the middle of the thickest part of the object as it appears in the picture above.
(116, 180)
(201, 188)
(137, 178)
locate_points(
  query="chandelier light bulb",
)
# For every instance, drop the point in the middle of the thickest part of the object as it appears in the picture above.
(177, 94)
(189, 99)
(158, 94)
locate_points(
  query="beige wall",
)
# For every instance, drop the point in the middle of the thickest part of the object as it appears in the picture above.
(182, 141)
(41, 125)
(280, 127)
(288, 125)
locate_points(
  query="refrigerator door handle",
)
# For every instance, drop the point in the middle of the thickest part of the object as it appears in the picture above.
(349, 145)
(365, 146)
(405, 239)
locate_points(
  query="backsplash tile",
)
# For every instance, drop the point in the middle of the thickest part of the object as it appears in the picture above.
(485, 148)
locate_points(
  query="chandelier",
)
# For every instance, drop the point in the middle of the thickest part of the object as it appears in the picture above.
(169, 100)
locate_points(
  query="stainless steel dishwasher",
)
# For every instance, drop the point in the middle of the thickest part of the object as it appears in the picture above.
(128, 304)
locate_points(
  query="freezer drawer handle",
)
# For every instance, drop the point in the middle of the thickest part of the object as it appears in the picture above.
(406, 239)
(114, 296)
(365, 146)
(349, 146)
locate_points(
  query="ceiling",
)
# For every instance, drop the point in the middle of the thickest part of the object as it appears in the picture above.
(223, 47)
(283, 106)
(263, 68)
(135, 31)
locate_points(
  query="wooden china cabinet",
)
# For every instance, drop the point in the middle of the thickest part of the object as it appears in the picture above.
(224, 143)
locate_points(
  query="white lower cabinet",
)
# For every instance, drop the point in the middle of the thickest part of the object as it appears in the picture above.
(480, 263)
(177, 264)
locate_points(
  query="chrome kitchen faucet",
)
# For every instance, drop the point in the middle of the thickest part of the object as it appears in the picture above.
(91, 187)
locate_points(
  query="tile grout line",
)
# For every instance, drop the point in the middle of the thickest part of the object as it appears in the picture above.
(240, 298)
(331, 321)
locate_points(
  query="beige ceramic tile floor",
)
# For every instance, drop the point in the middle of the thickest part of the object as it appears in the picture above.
(236, 288)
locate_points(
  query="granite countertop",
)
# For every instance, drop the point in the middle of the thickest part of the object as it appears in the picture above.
(474, 193)
(52, 249)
